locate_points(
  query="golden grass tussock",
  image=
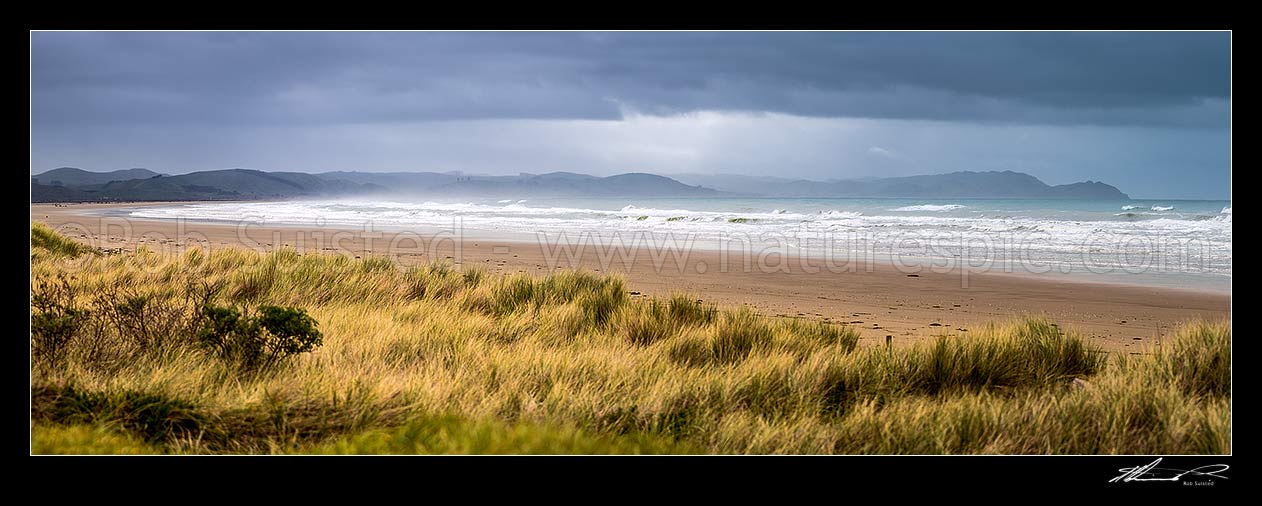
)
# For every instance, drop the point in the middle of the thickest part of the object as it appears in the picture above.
(441, 358)
(47, 243)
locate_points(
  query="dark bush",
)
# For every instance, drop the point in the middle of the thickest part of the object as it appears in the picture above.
(147, 322)
(289, 330)
(257, 342)
(55, 319)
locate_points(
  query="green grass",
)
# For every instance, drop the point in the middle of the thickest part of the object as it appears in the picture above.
(1028, 354)
(153, 418)
(645, 324)
(45, 241)
(1116, 420)
(85, 440)
(441, 358)
(1198, 360)
(455, 435)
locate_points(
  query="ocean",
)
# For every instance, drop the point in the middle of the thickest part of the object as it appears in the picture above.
(1182, 243)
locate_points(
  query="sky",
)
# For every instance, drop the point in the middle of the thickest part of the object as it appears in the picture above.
(1148, 112)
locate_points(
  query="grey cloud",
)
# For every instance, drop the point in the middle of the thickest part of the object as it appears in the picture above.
(292, 78)
(1143, 161)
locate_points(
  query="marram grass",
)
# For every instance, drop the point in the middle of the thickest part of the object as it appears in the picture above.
(45, 242)
(443, 359)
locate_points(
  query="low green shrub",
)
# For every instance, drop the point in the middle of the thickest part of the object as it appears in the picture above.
(55, 319)
(259, 341)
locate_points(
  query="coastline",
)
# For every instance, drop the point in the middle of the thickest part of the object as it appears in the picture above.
(876, 298)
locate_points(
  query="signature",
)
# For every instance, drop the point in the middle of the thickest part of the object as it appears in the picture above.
(1151, 472)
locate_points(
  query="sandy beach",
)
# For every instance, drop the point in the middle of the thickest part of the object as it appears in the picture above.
(878, 298)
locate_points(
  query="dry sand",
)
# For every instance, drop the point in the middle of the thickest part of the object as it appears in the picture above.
(877, 298)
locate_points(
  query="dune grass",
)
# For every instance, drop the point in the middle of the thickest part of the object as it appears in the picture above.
(86, 440)
(440, 358)
(455, 435)
(46, 241)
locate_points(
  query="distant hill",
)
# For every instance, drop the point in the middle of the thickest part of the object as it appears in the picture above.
(965, 184)
(230, 184)
(70, 176)
(398, 181)
(1087, 190)
(68, 184)
(245, 184)
(566, 184)
(50, 193)
(552, 184)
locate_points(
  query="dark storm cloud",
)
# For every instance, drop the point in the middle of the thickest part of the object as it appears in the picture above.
(1149, 79)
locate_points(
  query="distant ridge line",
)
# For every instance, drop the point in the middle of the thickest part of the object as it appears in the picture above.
(72, 184)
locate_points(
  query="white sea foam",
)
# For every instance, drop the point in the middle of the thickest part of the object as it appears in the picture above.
(1162, 208)
(1199, 238)
(833, 214)
(929, 207)
(1128, 208)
